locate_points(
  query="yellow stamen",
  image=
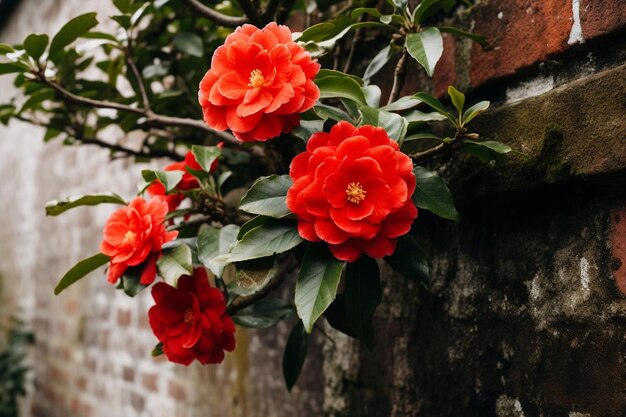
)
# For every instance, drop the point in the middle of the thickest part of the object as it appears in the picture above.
(189, 316)
(256, 79)
(129, 237)
(355, 192)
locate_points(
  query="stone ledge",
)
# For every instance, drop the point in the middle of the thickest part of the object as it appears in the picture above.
(575, 131)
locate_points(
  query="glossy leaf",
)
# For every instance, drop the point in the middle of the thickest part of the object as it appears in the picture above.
(130, 282)
(267, 196)
(295, 354)
(486, 151)
(410, 261)
(12, 67)
(473, 36)
(457, 98)
(213, 242)
(432, 194)
(362, 292)
(252, 276)
(263, 314)
(421, 11)
(71, 31)
(80, 270)
(343, 87)
(169, 179)
(435, 104)
(206, 155)
(317, 283)
(174, 262)
(403, 103)
(272, 237)
(35, 45)
(426, 47)
(56, 207)
(377, 63)
(474, 111)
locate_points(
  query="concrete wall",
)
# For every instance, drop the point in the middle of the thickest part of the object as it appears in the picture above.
(527, 312)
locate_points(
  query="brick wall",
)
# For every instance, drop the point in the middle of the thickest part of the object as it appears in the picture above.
(527, 313)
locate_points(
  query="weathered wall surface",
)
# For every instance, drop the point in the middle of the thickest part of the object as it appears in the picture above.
(527, 311)
(92, 356)
(526, 314)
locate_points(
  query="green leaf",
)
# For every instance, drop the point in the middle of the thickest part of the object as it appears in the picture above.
(473, 36)
(100, 35)
(377, 63)
(214, 242)
(122, 5)
(251, 224)
(174, 262)
(252, 276)
(419, 136)
(420, 11)
(189, 43)
(323, 73)
(344, 87)
(403, 103)
(337, 317)
(474, 111)
(295, 354)
(410, 261)
(263, 314)
(330, 112)
(5, 49)
(56, 207)
(435, 104)
(359, 11)
(35, 45)
(71, 31)
(123, 20)
(12, 67)
(267, 196)
(432, 194)
(131, 281)
(458, 99)
(37, 98)
(317, 283)
(486, 151)
(272, 237)
(169, 179)
(80, 270)
(158, 350)
(362, 293)
(394, 124)
(206, 155)
(426, 47)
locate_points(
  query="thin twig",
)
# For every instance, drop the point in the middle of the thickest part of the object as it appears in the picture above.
(152, 118)
(250, 11)
(429, 152)
(133, 67)
(288, 266)
(217, 17)
(398, 77)
(284, 10)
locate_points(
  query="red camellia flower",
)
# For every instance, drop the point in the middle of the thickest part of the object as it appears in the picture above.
(352, 189)
(258, 83)
(133, 235)
(191, 320)
(188, 182)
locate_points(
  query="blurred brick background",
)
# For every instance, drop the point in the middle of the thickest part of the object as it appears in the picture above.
(527, 312)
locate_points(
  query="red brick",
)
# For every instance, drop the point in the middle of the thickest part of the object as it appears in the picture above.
(177, 391)
(445, 71)
(528, 32)
(599, 17)
(150, 381)
(123, 317)
(618, 247)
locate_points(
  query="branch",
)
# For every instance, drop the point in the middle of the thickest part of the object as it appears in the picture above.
(284, 10)
(152, 118)
(270, 11)
(142, 88)
(458, 137)
(251, 11)
(285, 270)
(217, 17)
(106, 145)
(398, 77)
(429, 152)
